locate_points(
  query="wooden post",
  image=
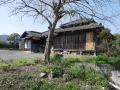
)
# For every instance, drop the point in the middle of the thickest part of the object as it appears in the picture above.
(80, 52)
(94, 53)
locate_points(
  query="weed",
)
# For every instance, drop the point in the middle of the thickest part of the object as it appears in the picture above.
(68, 86)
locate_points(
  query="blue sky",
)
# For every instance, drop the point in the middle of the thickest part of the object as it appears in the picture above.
(10, 24)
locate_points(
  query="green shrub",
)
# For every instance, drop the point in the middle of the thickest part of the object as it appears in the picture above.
(87, 75)
(114, 52)
(56, 58)
(38, 61)
(93, 77)
(68, 86)
(57, 71)
(40, 86)
(102, 60)
(47, 86)
(22, 62)
(75, 72)
(50, 86)
(116, 63)
(74, 60)
(4, 66)
(66, 63)
(46, 68)
(5, 45)
(107, 60)
(26, 76)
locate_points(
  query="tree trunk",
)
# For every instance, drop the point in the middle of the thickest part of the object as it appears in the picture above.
(49, 41)
(48, 46)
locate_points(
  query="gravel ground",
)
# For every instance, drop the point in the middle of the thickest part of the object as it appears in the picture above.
(15, 54)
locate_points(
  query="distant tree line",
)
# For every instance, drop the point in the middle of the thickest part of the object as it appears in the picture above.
(110, 43)
(12, 42)
(4, 44)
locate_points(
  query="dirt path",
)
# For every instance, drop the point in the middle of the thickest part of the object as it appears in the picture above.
(14, 54)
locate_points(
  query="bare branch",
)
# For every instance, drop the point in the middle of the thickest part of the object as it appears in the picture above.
(42, 1)
(37, 11)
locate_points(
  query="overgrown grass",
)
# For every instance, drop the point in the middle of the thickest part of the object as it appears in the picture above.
(22, 62)
(89, 76)
(87, 59)
(16, 63)
(39, 85)
(14, 80)
(15, 74)
(100, 59)
(67, 73)
(68, 70)
(69, 86)
(84, 77)
(51, 86)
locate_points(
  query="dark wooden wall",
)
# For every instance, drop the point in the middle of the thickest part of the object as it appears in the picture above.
(70, 41)
(38, 45)
(35, 45)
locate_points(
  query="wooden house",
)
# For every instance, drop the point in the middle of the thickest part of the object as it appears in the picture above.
(32, 41)
(79, 36)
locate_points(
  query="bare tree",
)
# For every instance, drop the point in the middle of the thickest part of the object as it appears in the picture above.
(53, 11)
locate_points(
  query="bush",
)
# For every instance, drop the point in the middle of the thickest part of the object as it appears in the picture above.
(80, 59)
(116, 64)
(4, 66)
(68, 86)
(45, 69)
(75, 72)
(66, 63)
(38, 61)
(56, 58)
(89, 76)
(22, 62)
(50, 86)
(102, 60)
(107, 60)
(114, 52)
(56, 70)
(5, 45)
(95, 78)
(40, 86)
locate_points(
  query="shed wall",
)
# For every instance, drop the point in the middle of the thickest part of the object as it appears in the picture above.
(89, 41)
